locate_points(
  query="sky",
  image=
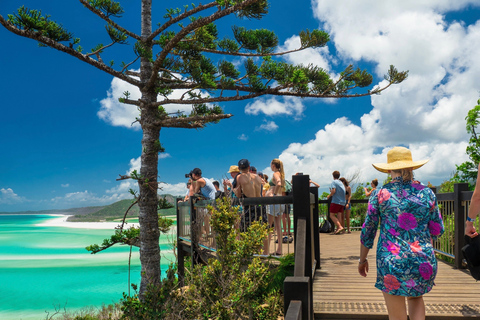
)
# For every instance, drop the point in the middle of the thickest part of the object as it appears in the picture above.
(65, 139)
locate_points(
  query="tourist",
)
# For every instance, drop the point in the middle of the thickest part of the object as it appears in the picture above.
(410, 219)
(249, 185)
(228, 185)
(189, 191)
(277, 187)
(337, 194)
(219, 194)
(203, 187)
(348, 206)
(374, 185)
(474, 209)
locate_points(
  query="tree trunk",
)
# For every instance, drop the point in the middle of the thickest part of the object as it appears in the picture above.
(148, 216)
(148, 185)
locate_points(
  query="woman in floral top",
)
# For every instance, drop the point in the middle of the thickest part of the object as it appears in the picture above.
(409, 219)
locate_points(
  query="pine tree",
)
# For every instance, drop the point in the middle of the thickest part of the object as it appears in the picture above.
(185, 52)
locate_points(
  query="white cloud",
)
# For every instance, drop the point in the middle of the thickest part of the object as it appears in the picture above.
(123, 115)
(173, 189)
(243, 137)
(66, 185)
(164, 155)
(291, 106)
(425, 113)
(7, 196)
(270, 126)
(87, 198)
(315, 56)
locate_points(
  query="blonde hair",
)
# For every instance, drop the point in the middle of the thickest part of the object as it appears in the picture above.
(279, 165)
(406, 174)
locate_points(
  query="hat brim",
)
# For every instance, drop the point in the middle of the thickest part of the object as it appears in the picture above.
(398, 165)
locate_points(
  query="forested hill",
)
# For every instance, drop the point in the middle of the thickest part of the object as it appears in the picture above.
(110, 212)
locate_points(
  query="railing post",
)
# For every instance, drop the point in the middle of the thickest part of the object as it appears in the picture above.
(316, 231)
(180, 253)
(301, 210)
(459, 222)
(298, 288)
(194, 232)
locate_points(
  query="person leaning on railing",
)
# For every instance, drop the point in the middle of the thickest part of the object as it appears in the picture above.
(474, 209)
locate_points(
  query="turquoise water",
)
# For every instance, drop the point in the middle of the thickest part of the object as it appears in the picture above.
(46, 267)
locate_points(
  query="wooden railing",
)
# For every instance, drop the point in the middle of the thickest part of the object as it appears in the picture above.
(298, 289)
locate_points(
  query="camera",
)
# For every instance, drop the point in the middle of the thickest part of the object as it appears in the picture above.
(188, 175)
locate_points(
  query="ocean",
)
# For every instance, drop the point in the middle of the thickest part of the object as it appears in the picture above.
(44, 268)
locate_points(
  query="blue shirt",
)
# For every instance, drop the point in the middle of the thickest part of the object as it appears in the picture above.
(339, 195)
(208, 191)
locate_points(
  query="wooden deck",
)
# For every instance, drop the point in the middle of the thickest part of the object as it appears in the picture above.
(341, 293)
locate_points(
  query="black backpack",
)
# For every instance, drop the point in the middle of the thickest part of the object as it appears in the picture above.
(471, 253)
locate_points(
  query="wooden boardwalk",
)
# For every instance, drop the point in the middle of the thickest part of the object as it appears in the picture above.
(341, 293)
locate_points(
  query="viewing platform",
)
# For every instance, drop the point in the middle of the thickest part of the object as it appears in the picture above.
(325, 283)
(339, 292)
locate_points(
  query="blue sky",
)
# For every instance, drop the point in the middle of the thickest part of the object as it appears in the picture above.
(65, 139)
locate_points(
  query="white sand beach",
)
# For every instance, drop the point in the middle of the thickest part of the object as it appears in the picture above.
(61, 221)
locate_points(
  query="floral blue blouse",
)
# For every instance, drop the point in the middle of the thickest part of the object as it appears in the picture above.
(409, 218)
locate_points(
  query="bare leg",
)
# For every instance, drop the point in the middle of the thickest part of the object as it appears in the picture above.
(284, 222)
(270, 224)
(340, 219)
(336, 221)
(347, 218)
(416, 308)
(395, 306)
(288, 220)
(278, 229)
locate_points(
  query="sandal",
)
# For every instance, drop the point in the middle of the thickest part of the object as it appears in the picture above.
(340, 231)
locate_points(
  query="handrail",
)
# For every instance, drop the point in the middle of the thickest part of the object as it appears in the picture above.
(301, 240)
(294, 311)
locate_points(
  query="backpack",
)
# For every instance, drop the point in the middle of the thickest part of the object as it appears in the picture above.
(325, 227)
(288, 187)
(471, 253)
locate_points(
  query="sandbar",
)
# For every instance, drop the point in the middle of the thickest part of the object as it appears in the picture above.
(61, 221)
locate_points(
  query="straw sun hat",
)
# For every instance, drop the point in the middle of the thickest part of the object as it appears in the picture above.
(399, 158)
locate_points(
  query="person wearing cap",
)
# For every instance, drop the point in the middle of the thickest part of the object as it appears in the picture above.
(202, 185)
(473, 209)
(409, 219)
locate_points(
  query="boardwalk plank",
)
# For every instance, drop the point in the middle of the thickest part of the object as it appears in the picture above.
(341, 293)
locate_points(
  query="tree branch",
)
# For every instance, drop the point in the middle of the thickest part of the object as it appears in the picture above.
(195, 122)
(60, 47)
(244, 54)
(180, 18)
(109, 21)
(186, 30)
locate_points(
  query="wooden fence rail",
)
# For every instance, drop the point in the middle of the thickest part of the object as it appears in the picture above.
(298, 290)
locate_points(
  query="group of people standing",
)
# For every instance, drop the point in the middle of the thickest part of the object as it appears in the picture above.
(247, 183)
(405, 212)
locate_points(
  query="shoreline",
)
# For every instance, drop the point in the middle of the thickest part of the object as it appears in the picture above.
(61, 221)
